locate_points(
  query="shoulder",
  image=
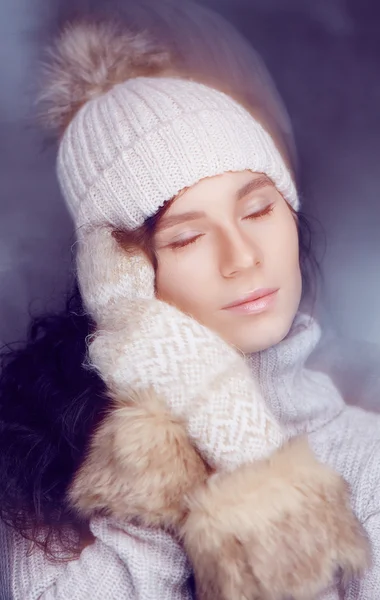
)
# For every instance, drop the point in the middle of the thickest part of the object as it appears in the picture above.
(350, 444)
(363, 458)
(353, 366)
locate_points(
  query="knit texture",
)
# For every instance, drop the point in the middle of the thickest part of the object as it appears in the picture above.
(135, 147)
(345, 437)
(125, 562)
(129, 562)
(209, 47)
(144, 343)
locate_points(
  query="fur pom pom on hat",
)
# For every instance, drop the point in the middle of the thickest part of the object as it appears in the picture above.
(135, 134)
(87, 59)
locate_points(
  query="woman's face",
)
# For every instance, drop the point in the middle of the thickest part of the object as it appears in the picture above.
(227, 251)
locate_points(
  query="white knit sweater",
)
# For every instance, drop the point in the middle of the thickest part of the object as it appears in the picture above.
(127, 562)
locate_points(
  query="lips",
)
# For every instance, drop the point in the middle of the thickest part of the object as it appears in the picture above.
(251, 297)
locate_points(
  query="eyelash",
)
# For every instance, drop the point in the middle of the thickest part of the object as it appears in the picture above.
(262, 213)
(178, 245)
(258, 215)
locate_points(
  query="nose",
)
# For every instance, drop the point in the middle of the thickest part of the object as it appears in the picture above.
(238, 253)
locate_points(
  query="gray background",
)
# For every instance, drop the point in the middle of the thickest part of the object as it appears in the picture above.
(325, 59)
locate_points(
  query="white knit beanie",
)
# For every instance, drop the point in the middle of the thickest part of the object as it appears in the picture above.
(130, 149)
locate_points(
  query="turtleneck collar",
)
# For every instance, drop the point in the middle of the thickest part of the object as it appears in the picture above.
(301, 399)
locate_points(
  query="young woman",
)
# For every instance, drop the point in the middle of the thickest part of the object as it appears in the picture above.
(190, 266)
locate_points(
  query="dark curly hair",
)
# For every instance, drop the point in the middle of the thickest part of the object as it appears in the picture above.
(50, 404)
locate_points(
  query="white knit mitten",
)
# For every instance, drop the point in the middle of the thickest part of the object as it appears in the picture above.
(143, 343)
(271, 522)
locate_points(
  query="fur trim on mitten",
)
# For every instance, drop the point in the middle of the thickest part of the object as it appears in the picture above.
(277, 529)
(140, 465)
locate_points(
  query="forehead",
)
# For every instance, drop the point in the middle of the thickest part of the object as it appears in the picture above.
(226, 185)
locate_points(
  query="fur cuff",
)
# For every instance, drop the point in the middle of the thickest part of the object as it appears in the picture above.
(276, 529)
(140, 465)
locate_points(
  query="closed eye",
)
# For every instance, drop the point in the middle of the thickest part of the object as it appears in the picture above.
(184, 242)
(261, 213)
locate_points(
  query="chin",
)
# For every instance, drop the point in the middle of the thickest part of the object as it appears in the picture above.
(262, 334)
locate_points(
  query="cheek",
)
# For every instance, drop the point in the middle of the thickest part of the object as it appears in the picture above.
(182, 285)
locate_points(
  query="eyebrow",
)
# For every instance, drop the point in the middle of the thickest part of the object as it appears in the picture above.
(254, 185)
(172, 220)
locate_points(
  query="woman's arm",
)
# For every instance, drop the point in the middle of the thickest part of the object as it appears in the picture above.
(124, 562)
